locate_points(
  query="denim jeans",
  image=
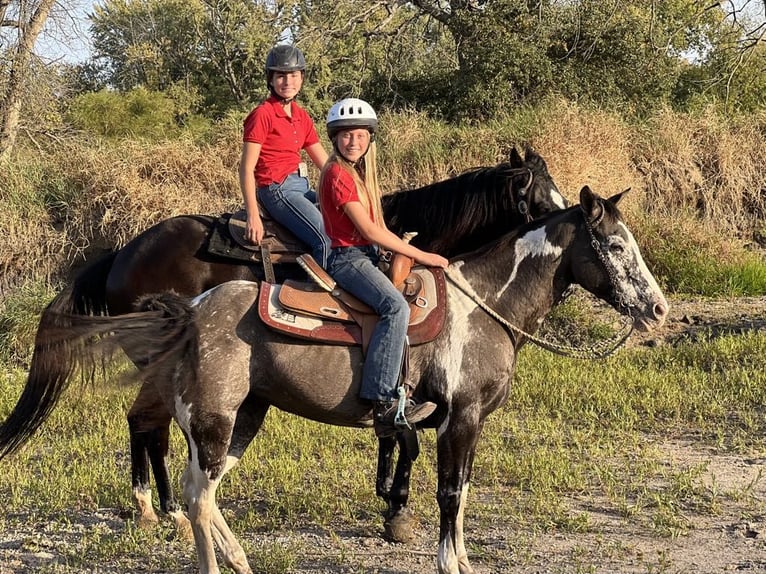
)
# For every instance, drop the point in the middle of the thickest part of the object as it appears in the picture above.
(354, 269)
(293, 204)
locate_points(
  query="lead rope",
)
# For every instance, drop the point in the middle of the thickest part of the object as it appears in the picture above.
(598, 350)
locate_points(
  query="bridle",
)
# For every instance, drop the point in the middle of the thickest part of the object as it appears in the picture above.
(520, 198)
(598, 350)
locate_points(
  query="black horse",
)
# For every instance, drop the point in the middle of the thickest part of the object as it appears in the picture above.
(453, 216)
(219, 368)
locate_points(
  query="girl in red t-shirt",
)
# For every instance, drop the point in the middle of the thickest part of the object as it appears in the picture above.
(275, 132)
(349, 197)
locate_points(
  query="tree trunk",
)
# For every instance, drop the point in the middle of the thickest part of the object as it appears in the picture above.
(12, 99)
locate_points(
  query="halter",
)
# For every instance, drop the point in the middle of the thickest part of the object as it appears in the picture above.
(599, 350)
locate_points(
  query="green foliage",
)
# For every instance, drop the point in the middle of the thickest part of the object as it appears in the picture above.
(139, 113)
(452, 59)
(687, 263)
(215, 49)
(19, 315)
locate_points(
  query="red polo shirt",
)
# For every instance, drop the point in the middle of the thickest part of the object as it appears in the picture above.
(281, 137)
(337, 189)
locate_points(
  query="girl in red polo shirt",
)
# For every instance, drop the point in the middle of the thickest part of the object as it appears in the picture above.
(275, 132)
(350, 203)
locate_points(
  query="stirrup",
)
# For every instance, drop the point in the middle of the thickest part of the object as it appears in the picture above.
(400, 421)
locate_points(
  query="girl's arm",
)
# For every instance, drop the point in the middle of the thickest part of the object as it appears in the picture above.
(386, 239)
(250, 153)
(317, 154)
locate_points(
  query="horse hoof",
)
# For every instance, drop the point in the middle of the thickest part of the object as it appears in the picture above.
(399, 527)
(183, 527)
(147, 520)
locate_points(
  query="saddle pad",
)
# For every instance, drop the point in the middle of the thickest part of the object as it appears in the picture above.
(426, 322)
(302, 326)
(221, 243)
(309, 298)
(280, 240)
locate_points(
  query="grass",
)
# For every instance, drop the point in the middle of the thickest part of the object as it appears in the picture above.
(570, 429)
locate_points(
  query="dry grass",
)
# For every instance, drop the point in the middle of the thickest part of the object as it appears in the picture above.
(701, 169)
(705, 166)
(589, 147)
(127, 189)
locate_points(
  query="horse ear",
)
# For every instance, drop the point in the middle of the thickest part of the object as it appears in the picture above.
(516, 159)
(618, 196)
(590, 203)
(530, 154)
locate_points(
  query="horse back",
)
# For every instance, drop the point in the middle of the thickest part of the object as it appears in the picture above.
(169, 256)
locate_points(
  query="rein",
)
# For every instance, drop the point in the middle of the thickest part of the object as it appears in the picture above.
(599, 350)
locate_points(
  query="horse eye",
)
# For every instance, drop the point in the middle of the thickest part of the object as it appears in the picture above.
(617, 248)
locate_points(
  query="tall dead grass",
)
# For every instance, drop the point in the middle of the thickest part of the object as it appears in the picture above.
(705, 166)
(701, 169)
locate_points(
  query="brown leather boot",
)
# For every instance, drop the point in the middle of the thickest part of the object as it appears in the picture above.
(384, 415)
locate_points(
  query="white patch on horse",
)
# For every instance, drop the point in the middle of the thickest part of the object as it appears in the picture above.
(630, 266)
(460, 308)
(183, 413)
(196, 301)
(531, 244)
(558, 199)
(641, 263)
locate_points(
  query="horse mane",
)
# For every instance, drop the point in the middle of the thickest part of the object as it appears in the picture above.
(453, 207)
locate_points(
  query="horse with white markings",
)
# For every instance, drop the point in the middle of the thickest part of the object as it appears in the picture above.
(453, 216)
(219, 368)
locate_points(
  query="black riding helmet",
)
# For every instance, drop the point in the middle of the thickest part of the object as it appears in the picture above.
(284, 58)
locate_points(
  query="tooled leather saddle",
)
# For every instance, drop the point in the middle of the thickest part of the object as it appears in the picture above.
(320, 311)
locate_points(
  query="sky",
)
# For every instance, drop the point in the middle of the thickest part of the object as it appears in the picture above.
(66, 38)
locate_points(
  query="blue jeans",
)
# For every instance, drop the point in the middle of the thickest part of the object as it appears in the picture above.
(293, 204)
(354, 269)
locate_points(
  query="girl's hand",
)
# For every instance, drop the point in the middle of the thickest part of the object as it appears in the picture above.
(432, 260)
(254, 230)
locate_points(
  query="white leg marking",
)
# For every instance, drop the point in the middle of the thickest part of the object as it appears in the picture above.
(462, 553)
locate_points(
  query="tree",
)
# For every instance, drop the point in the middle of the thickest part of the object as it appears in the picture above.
(216, 47)
(27, 20)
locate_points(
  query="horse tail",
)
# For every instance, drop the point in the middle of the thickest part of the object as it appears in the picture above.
(87, 295)
(159, 335)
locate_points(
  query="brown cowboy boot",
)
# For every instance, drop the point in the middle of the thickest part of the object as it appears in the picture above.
(384, 415)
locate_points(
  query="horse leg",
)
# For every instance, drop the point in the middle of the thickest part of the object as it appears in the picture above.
(139, 462)
(398, 519)
(231, 550)
(250, 416)
(209, 437)
(456, 447)
(149, 424)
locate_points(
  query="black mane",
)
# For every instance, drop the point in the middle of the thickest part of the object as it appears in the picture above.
(459, 214)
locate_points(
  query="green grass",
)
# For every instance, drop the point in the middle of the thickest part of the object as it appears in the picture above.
(570, 428)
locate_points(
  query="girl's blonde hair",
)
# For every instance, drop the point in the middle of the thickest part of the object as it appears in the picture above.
(367, 188)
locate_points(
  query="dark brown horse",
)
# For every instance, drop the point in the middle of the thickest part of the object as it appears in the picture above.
(218, 367)
(453, 216)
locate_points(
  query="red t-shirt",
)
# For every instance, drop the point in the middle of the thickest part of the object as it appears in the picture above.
(281, 137)
(338, 189)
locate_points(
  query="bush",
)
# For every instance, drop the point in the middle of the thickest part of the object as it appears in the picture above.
(139, 114)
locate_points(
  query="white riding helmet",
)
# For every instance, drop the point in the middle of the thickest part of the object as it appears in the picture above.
(351, 113)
